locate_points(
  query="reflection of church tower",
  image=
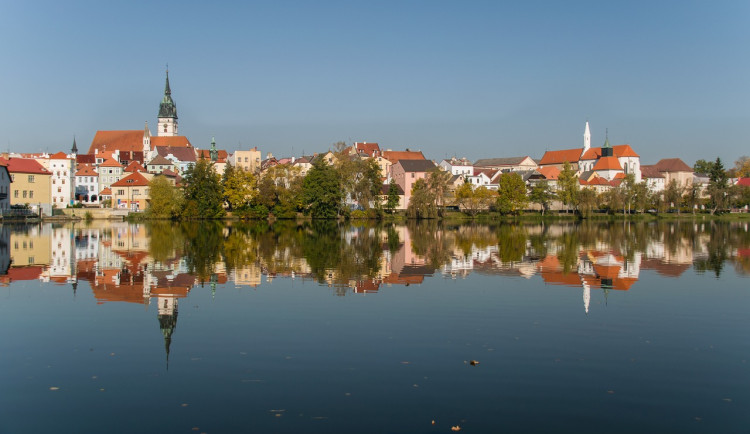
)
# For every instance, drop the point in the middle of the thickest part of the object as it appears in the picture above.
(167, 307)
(586, 296)
(167, 113)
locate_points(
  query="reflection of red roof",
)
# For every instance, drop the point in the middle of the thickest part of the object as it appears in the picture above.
(25, 273)
(398, 279)
(366, 286)
(743, 252)
(607, 271)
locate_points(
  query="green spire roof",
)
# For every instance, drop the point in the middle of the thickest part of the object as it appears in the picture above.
(167, 108)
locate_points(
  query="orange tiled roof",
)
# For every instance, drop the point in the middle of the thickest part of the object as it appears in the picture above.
(672, 165)
(106, 192)
(135, 179)
(560, 157)
(549, 172)
(123, 140)
(608, 163)
(394, 156)
(86, 171)
(617, 151)
(134, 166)
(58, 156)
(174, 141)
(22, 165)
(110, 163)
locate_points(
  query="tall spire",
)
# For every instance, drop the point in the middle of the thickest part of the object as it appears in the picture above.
(586, 138)
(167, 125)
(74, 149)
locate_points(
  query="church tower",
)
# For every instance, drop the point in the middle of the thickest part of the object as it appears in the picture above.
(586, 138)
(167, 113)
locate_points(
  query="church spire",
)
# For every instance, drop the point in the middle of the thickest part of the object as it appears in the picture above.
(74, 149)
(167, 113)
(586, 138)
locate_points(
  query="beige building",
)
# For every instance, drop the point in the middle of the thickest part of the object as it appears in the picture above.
(249, 160)
(131, 192)
(30, 184)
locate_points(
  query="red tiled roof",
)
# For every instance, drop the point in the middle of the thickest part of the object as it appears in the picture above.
(85, 159)
(560, 157)
(206, 153)
(550, 172)
(110, 163)
(173, 141)
(86, 171)
(181, 153)
(650, 171)
(394, 156)
(598, 180)
(672, 165)
(608, 163)
(134, 166)
(370, 149)
(58, 156)
(617, 150)
(745, 182)
(135, 179)
(106, 192)
(123, 140)
(22, 165)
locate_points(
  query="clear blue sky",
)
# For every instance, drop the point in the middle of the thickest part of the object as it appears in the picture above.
(467, 78)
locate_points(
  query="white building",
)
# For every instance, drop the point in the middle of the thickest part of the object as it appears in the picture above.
(87, 185)
(62, 168)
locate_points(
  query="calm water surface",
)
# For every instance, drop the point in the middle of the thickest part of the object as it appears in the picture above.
(584, 328)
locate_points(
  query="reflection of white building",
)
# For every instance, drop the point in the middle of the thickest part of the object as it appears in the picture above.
(62, 257)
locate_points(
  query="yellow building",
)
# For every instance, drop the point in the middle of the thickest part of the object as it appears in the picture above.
(131, 192)
(30, 184)
(249, 161)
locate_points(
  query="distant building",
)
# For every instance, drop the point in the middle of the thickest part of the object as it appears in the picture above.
(31, 184)
(407, 172)
(248, 160)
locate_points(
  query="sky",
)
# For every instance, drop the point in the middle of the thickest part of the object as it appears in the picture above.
(475, 79)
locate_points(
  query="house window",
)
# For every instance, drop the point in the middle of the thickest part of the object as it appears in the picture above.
(31, 178)
(121, 192)
(31, 194)
(25, 193)
(15, 194)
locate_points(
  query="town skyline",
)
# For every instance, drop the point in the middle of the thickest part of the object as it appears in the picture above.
(478, 80)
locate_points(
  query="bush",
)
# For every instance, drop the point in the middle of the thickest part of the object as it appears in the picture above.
(358, 214)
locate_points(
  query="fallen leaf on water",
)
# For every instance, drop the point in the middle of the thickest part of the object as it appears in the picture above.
(473, 362)
(183, 405)
(433, 422)
(456, 428)
(54, 388)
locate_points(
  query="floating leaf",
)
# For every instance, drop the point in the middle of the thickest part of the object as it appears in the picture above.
(473, 362)
(456, 428)
(54, 388)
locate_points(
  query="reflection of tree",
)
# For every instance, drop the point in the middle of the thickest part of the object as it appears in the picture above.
(166, 240)
(717, 246)
(202, 247)
(569, 246)
(431, 242)
(512, 245)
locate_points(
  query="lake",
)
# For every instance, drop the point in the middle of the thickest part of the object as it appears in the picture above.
(362, 328)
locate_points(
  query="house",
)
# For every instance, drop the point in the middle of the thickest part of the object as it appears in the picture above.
(31, 184)
(407, 172)
(510, 164)
(366, 149)
(486, 178)
(248, 160)
(654, 179)
(131, 192)
(109, 171)
(389, 158)
(62, 174)
(4, 186)
(457, 166)
(87, 185)
(181, 157)
(158, 165)
(675, 169)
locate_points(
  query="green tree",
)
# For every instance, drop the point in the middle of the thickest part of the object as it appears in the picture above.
(239, 187)
(393, 198)
(438, 180)
(165, 199)
(742, 167)
(692, 196)
(512, 197)
(567, 185)
(542, 194)
(673, 195)
(703, 166)
(422, 201)
(321, 191)
(473, 201)
(586, 201)
(718, 190)
(203, 191)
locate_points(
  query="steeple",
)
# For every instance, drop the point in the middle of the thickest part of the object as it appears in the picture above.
(586, 138)
(607, 148)
(74, 149)
(167, 113)
(213, 152)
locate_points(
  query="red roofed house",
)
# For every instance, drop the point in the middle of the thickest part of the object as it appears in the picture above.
(87, 185)
(109, 171)
(131, 192)
(675, 169)
(388, 158)
(586, 159)
(31, 184)
(407, 172)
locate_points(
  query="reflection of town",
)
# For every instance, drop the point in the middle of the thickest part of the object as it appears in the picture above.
(161, 263)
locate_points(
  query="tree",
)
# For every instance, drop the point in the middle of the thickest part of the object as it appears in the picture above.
(586, 201)
(641, 196)
(321, 191)
(239, 187)
(165, 199)
(473, 201)
(718, 190)
(393, 198)
(628, 191)
(703, 166)
(742, 167)
(438, 180)
(542, 194)
(512, 196)
(422, 201)
(692, 197)
(567, 185)
(673, 195)
(203, 192)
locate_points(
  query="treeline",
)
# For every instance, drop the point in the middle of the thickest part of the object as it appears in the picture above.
(352, 187)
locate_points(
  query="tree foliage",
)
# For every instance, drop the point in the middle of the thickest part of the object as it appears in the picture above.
(542, 194)
(321, 191)
(165, 199)
(239, 187)
(393, 198)
(512, 197)
(473, 201)
(422, 201)
(203, 191)
(567, 185)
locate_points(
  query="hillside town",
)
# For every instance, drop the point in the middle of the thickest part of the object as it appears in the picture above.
(117, 170)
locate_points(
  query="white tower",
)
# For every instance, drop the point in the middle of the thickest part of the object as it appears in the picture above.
(586, 138)
(167, 113)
